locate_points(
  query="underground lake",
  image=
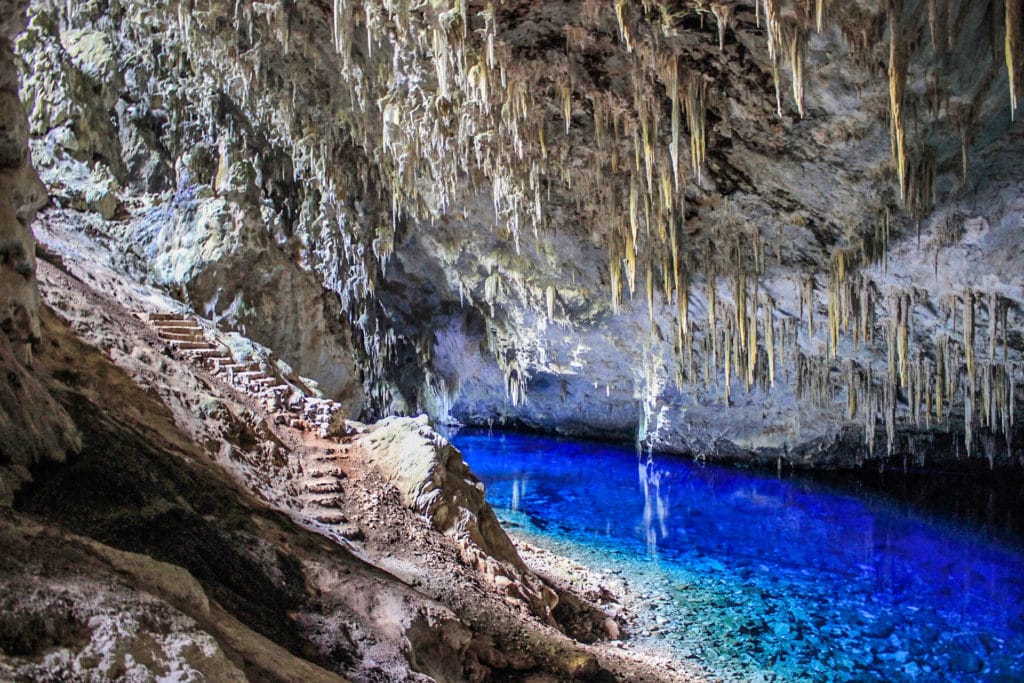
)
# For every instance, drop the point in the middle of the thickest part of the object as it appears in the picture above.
(770, 578)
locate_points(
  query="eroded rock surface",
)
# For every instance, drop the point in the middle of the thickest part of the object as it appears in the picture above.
(433, 480)
(792, 239)
(33, 426)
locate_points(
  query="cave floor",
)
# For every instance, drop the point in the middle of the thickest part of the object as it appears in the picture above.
(184, 468)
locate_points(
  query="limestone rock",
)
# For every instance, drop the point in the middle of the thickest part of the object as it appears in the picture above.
(433, 480)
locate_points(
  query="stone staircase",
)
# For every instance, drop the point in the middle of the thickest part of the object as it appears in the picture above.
(321, 492)
(185, 335)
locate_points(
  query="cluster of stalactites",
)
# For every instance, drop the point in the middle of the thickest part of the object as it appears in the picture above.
(787, 30)
(483, 112)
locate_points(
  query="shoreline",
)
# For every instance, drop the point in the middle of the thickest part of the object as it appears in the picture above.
(638, 604)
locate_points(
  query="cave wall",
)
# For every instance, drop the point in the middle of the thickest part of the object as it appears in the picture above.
(605, 220)
(32, 426)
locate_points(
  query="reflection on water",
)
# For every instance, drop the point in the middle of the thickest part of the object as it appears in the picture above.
(655, 504)
(518, 491)
(790, 579)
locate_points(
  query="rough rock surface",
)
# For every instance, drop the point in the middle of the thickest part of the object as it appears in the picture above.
(433, 480)
(591, 218)
(198, 533)
(32, 426)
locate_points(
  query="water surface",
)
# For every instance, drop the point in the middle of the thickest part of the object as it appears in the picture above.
(776, 579)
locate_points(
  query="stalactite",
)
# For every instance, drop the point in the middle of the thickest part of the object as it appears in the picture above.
(696, 118)
(993, 320)
(622, 15)
(902, 335)
(793, 37)
(769, 337)
(615, 275)
(807, 301)
(712, 314)
(820, 11)
(549, 296)
(650, 293)
(940, 375)
(673, 89)
(566, 106)
(723, 16)
(728, 361)
(919, 182)
(936, 24)
(897, 79)
(771, 10)
(969, 338)
(751, 343)
(962, 115)
(1014, 51)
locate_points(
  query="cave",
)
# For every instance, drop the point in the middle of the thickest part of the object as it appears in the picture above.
(494, 340)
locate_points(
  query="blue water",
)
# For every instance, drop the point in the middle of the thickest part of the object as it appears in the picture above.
(772, 578)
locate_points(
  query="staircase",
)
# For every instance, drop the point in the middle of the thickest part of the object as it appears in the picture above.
(321, 490)
(185, 335)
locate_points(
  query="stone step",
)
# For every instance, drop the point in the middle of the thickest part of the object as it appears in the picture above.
(324, 472)
(266, 382)
(324, 487)
(156, 317)
(205, 354)
(181, 336)
(251, 375)
(190, 345)
(330, 518)
(176, 324)
(324, 500)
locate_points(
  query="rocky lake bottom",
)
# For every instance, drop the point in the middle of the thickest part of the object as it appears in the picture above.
(766, 578)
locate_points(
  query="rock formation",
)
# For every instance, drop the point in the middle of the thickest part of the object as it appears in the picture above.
(486, 210)
(771, 231)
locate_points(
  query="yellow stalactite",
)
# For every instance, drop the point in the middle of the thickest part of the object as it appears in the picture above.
(897, 73)
(793, 36)
(566, 106)
(752, 346)
(723, 15)
(622, 15)
(696, 118)
(615, 272)
(1014, 50)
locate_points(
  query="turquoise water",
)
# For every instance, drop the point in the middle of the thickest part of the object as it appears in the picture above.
(774, 578)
